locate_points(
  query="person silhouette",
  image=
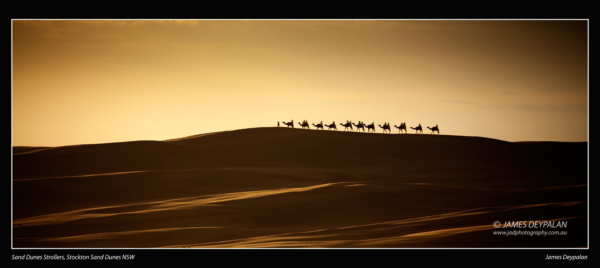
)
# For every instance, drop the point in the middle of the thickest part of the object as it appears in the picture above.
(278, 123)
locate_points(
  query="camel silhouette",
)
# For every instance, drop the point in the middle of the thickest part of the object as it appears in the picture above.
(370, 127)
(304, 124)
(401, 127)
(289, 124)
(319, 126)
(347, 125)
(332, 126)
(419, 128)
(385, 126)
(435, 129)
(360, 125)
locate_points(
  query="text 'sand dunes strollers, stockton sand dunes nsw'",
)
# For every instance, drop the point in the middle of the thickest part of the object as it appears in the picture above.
(282, 187)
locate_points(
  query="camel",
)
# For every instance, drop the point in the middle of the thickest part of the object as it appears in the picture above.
(319, 126)
(304, 124)
(385, 126)
(371, 126)
(348, 124)
(419, 128)
(435, 129)
(360, 125)
(289, 124)
(332, 126)
(401, 127)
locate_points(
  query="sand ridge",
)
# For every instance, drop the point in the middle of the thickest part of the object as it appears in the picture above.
(282, 187)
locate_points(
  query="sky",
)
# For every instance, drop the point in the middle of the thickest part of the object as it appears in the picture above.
(102, 81)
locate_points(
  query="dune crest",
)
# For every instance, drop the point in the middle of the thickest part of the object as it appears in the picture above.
(288, 187)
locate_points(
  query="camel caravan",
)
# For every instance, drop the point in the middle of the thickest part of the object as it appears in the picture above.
(361, 127)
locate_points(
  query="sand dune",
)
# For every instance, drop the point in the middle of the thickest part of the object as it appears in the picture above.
(281, 187)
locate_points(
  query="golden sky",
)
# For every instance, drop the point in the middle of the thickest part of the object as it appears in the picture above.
(100, 81)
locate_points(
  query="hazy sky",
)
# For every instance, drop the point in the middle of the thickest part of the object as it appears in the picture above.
(100, 81)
